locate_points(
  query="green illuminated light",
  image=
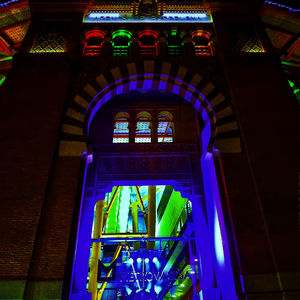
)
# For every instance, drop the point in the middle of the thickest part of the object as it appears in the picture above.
(2, 80)
(121, 41)
(121, 33)
(6, 58)
(295, 89)
(292, 84)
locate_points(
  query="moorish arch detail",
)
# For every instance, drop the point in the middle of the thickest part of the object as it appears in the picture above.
(207, 99)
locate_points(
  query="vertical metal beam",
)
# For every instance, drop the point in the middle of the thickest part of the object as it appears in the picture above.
(141, 204)
(151, 220)
(135, 224)
(110, 206)
(96, 248)
(103, 286)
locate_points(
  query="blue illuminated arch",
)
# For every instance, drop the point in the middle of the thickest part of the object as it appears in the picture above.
(159, 82)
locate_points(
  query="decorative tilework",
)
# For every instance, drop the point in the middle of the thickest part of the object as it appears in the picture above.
(51, 38)
(16, 33)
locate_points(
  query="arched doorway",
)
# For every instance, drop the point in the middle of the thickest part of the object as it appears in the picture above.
(150, 208)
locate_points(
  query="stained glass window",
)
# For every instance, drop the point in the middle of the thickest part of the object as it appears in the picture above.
(121, 131)
(164, 130)
(143, 130)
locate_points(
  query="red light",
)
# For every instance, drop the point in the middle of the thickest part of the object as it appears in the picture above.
(148, 42)
(94, 40)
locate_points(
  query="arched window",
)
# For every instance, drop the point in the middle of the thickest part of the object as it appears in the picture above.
(165, 128)
(202, 43)
(121, 130)
(148, 42)
(94, 40)
(174, 42)
(143, 128)
(121, 41)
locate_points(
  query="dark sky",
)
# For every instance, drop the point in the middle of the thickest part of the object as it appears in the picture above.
(290, 3)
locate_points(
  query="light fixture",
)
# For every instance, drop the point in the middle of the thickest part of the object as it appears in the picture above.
(155, 260)
(130, 261)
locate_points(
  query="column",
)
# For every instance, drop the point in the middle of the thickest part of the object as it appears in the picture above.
(151, 217)
(135, 224)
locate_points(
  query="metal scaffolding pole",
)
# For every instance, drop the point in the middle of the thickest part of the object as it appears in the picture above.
(151, 220)
(96, 248)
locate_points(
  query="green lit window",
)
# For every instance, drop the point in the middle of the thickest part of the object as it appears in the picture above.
(174, 42)
(121, 41)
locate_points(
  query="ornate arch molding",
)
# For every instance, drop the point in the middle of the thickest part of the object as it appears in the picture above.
(214, 108)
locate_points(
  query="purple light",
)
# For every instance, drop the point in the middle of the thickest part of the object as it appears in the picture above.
(5, 4)
(282, 6)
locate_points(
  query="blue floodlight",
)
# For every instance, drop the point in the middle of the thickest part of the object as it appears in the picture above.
(147, 260)
(155, 259)
(139, 260)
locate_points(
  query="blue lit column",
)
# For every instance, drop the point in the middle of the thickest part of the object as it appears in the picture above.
(216, 225)
(83, 242)
(209, 290)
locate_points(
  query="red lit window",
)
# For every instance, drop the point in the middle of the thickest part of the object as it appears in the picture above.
(93, 43)
(202, 43)
(148, 42)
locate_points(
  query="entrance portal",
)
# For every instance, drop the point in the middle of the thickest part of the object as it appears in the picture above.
(143, 245)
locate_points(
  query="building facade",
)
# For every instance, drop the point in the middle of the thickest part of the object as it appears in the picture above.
(150, 150)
